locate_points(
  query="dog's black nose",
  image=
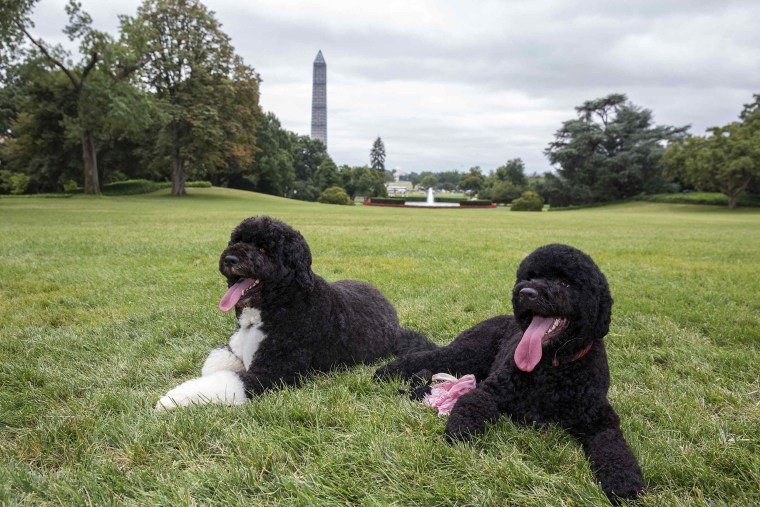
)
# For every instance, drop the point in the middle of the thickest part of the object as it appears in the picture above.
(529, 293)
(230, 260)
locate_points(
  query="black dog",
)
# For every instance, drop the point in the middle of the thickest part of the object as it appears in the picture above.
(547, 364)
(291, 322)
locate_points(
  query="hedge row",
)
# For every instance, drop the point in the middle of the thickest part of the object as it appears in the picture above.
(134, 187)
(402, 200)
(711, 198)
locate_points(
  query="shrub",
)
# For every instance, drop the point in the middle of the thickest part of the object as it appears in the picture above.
(19, 183)
(712, 198)
(335, 195)
(502, 192)
(198, 184)
(133, 187)
(528, 201)
(13, 183)
(392, 200)
(5, 181)
(476, 202)
(69, 186)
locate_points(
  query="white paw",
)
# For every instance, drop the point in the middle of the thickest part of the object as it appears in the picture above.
(223, 387)
(221, 359)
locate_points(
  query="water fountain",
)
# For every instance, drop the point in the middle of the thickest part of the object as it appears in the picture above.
(430, 202)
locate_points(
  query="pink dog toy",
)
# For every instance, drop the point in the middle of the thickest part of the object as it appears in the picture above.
(444, 396)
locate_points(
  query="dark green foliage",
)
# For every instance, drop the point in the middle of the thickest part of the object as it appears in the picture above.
(611, 151)
(13, 183)
(726, 160)
(711, 198)
(473, 181)
(377, 155)
(528, 201)
(506, 183)
(207, 96)
(39, 144)
(142, 186)
(133, 187)
(363, 181)
(445, 180)
(271, 170)
(476, 202)
(335, 195)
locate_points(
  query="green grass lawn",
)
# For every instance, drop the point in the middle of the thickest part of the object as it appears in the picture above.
(106, 303)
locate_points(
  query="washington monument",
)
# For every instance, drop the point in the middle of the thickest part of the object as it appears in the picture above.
(319, 100)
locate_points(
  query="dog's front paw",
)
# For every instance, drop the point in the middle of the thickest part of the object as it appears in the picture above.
(221, 359)
(386, 372)
(470, 416)
(221, 387)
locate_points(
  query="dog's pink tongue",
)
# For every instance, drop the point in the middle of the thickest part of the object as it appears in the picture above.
(233, 294)
(528, 351)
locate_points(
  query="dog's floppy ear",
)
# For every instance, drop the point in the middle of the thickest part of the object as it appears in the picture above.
(604, 314)
(298, 258)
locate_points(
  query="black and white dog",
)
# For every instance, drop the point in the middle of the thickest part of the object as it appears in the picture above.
(291, 322)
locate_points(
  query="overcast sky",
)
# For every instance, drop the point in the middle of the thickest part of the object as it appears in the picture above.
(453, 84)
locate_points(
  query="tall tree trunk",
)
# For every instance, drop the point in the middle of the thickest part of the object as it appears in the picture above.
(178, 170)
(90, 157)
(732, 198)
(178, 176)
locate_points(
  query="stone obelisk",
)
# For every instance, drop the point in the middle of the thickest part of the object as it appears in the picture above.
(319, 100)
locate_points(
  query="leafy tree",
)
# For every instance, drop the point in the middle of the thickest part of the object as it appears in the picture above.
(208, 98)
(363, 181)
(271, 171)
(15, 21)
(90, 87)
(429, 181)
(37, 142)
(513, 171)
(377, 155)
(506, 183)
(308, 155)
(502, 192)
(472, 181)
(611, 151)
(559, 192)
(727, 160)
(327, 174)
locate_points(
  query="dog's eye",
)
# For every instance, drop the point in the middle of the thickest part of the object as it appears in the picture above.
(565, 284)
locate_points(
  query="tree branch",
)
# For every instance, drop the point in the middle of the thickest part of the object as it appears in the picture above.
(56, 62)
(90, 65)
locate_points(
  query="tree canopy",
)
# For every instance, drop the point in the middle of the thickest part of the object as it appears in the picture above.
(208, 98)
(727, 159)
(91, 80)
(377, 155)
(611, 151)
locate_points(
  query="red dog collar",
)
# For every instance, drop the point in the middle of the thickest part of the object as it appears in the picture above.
(557, 361)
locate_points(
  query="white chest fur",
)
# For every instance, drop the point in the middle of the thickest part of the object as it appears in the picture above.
(246, 340)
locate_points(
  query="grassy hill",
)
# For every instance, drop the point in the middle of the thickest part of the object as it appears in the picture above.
(106, 303)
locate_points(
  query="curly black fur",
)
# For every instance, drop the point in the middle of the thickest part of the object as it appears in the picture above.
(568, 386)
(310, 325)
